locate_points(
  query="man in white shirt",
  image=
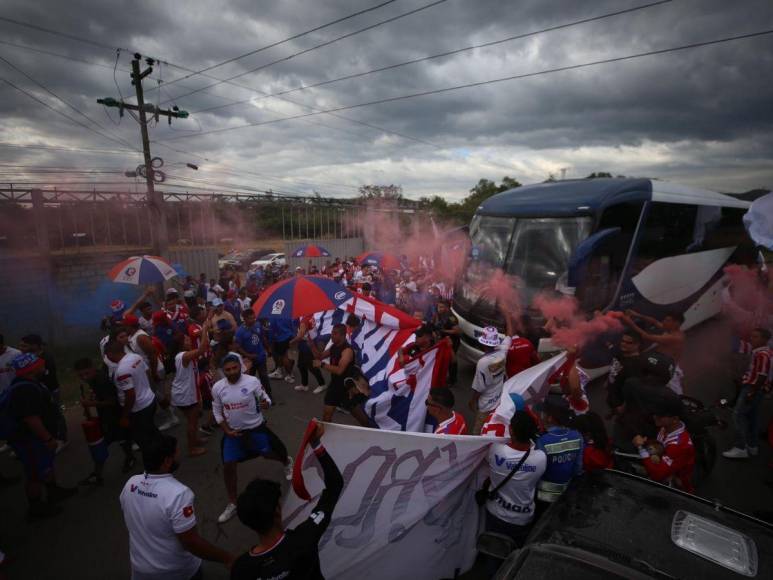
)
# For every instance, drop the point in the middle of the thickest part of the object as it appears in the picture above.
(137, 401)
(489, 376)
(7, 372)
(185, 388)
(237, 401)
(159, 514)
(510, 506)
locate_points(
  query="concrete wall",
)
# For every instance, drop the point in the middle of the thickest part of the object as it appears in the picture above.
(78, 290)
(338, 248)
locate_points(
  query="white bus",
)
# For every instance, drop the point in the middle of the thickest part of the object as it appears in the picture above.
(621, 243)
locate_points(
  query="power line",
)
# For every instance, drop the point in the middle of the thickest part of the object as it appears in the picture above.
(58, 112)
(312, 48)
(60, 99)
(69, 149)
(489, 82)
(441, 55)
(284, 40)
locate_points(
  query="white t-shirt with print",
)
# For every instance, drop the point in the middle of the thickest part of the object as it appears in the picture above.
(490, 376)
(7, 372)
(156, 508)
(514, 503)
(132, 373)
(239, 403)
(184, 385)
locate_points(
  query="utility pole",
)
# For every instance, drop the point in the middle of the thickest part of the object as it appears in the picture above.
(155, 200)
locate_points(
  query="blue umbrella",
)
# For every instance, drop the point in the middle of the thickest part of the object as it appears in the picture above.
(310, 251)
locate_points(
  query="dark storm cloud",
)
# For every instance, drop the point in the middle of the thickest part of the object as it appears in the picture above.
(700, 116)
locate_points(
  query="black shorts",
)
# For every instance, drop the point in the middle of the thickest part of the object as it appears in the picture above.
(279, 349)
(337, 395)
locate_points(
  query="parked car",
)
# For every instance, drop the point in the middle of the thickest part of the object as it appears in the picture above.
(611, 524)
(241, 259)
(269, 260)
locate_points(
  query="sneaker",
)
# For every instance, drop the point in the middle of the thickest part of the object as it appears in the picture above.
(135, 447)
(207, 430)
(61, 446)
(57, 493)
(753, 451)
(320, 389)
(289, 469)
(42, 510)
(228, 513)
(93, 480)
(4, 447)
(165, 426)
(303, 388)
(736, 453)
(173, 419)
(289, 379)
(277, 374)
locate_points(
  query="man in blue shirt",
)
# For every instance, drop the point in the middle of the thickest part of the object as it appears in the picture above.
(250, 343)
(563, 447)
(281, 332)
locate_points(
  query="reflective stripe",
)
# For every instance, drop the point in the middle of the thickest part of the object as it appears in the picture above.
(550, 487)
(554, 448)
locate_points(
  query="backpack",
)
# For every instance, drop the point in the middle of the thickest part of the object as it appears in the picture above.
(9, 425)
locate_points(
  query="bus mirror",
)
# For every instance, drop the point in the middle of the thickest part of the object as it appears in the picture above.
(595, 245)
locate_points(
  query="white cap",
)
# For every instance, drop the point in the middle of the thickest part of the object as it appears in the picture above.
(490, 337)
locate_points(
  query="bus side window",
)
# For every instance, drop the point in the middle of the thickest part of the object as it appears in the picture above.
(669, 230)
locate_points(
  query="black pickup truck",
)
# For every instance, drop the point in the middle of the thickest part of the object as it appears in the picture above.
(611, 524)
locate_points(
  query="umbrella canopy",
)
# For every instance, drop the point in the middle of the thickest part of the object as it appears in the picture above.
(381, 259)
(300, 296)
(310, 251)
(140, 270)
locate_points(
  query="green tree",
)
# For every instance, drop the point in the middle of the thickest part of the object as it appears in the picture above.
(385, 192)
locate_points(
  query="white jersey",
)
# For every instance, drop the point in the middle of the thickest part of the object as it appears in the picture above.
(239, 402)
(244, 303)
(514, 503)
(7, 372)
(132, 373)
(490, 376)
(146, 324)
(136, 349)
(184, 385)
(156, 508)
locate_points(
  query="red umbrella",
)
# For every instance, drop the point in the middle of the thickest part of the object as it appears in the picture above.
(310, 251)
(300, 296)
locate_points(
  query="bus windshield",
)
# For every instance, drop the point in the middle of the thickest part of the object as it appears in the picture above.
(536, 250)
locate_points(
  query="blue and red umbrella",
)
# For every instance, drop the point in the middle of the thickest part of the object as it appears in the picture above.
(300, 296)
(381, 259)
(140, 270)
(310, 251)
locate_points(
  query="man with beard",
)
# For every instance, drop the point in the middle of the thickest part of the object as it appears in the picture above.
(158, 511)
(237, 401)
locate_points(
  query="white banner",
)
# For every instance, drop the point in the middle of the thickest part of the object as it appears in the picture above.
(407, 509)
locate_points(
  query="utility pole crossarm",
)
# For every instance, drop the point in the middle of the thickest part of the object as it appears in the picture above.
(148, 108)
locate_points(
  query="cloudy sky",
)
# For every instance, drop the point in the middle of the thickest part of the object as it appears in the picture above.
(702, 117)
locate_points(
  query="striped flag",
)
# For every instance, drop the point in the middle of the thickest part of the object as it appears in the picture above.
(396, 395)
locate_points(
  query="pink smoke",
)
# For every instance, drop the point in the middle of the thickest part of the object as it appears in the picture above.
(748, 303)
(568, 327)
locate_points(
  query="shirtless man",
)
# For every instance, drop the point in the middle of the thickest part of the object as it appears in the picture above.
(669, 342)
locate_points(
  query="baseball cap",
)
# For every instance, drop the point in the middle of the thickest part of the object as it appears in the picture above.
(490, 337)
(217, 302)
(130, 320)
(172, 292)
(27, 363)
(159, 317)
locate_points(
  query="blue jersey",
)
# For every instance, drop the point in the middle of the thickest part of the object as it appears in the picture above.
(281, 330)
(563, 448)
(251, 341)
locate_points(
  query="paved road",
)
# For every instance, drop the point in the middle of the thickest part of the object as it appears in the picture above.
(89, 541)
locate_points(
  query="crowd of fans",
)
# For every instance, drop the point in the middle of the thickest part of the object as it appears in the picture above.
(199, 353)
